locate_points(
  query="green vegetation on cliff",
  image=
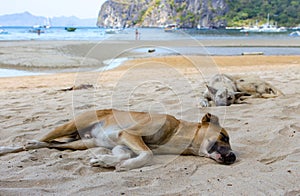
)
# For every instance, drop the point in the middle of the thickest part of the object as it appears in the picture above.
(245, 12)
(193, 13)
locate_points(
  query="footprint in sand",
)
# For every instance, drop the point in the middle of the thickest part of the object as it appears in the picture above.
(137, 182)
(290, 130)
(271, 160)
(162, 89)
(87, 170)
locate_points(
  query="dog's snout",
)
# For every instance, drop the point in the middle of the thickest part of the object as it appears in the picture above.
(229, 158)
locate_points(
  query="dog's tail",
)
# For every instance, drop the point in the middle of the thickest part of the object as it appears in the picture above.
(29, 146)
(10, 149)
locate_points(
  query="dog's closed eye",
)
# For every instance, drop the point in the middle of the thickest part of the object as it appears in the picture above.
(270, 90)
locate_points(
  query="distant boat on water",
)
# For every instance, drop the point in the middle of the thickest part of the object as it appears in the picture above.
(47, 24)
(3, 31)
(113, 31)
(296, 28)
(265, 28)
(37, 29)
(41, 28)
(70, 29)
(171, 28)
(295, 34)
(199, 27)
(252, 28)
(268, 28)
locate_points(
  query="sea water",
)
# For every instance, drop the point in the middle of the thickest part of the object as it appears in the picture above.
(15, 72)
(95, 33)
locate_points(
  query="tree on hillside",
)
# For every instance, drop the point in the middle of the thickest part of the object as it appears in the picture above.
(245, 12)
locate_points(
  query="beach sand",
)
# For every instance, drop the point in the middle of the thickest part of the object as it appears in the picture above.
(265, 133)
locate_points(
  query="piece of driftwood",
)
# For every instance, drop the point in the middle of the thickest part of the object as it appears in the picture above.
(80, 87)
(252, 53)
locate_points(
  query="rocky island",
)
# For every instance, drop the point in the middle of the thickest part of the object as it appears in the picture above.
(198, 13)
(157, 13)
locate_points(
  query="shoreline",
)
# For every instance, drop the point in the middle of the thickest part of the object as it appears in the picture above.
(219, 61)
(186, 65)
(116, 64)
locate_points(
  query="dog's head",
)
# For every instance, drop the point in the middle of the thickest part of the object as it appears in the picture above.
(223, 97)
(215, 142)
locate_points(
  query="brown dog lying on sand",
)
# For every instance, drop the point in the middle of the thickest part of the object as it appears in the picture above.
(224, 90)
(135, 136)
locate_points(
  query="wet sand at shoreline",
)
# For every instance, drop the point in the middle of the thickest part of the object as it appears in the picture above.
(265, 133)
(41, 55)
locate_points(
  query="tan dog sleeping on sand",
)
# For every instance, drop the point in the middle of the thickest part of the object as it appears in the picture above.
(135, 136)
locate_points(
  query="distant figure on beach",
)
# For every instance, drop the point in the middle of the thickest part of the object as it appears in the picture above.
(39, 31)
(137, 34)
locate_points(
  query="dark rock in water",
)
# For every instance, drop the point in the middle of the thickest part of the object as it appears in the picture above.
(151, 50)
(158, 13)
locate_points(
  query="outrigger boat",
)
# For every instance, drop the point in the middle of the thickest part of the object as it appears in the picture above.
(70, 29)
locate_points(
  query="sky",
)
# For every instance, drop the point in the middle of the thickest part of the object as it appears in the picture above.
(53, 8)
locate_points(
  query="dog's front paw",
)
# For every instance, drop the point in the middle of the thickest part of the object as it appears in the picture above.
(94, 162)
(204, 103)
(122, 166)
(9, 149)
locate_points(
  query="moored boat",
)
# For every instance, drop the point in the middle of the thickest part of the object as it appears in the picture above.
(37, 29)
(3, 31)
(295, 34)
(265, 28)
(171, 28)
(70, 29)
(113, 31)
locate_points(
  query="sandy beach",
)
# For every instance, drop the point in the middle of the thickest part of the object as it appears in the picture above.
(265, 133)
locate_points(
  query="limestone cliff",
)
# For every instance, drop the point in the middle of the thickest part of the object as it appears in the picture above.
(156, 13)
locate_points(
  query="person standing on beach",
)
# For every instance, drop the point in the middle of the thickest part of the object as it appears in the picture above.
(137, 34)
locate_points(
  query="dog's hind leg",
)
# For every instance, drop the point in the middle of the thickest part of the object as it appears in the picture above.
(81, 144)
(61, 131)
(77, 126)
(74, 145)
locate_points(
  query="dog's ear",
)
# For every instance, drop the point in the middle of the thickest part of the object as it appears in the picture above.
(209, 118)
(211, 90)
(238, 95)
